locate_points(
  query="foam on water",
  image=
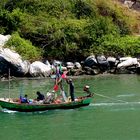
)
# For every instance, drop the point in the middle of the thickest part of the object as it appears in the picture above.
(126, 95)
(12, 112)
(8, 111)
(114, 104)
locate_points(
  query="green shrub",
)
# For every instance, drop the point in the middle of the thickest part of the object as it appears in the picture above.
(24, 47)
(120, 16)
(84, 9)
(11, 22)
(127, 45)
(60, 28)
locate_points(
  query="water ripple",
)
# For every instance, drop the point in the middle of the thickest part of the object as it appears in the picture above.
(114, 104)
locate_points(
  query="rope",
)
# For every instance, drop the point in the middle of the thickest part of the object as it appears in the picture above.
(110, 98)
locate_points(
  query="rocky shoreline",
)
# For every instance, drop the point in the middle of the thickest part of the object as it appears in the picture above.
(12, 64)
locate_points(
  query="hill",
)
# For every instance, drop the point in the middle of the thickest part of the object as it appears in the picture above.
(69, 29)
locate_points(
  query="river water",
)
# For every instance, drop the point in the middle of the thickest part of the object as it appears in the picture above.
(114, 113)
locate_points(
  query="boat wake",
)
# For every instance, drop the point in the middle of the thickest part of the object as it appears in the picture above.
(114, 104)
(8, 111)
(12, 112)
(126, 95)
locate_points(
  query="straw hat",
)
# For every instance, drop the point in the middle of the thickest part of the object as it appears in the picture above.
(86, 86)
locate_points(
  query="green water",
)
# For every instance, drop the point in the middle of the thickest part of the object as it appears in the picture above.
(114, 115)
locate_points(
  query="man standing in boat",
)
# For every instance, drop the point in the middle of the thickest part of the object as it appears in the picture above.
(71, 89)
(58, 79)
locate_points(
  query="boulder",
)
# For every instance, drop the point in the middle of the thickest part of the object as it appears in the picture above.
(111, 61)
(56, 62)
(77, 65)
(11, 60)
(90, 61)
(69, 65)
(99, 63)
(129, 3)
(39, 69)
(4, 39)
(102, 63)
(128, 62)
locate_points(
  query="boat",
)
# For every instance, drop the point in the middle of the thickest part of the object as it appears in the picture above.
(15, 105)
(33, 105)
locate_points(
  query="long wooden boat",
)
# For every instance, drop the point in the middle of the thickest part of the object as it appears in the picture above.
(10, 104)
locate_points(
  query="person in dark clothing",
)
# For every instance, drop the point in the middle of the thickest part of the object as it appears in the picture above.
(24, 99)
(71, 88)
(40, 96)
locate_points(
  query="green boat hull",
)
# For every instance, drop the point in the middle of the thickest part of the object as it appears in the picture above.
(22, 107)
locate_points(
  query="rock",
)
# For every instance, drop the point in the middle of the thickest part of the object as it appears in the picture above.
(97, 63)
(39, 69)
(11, 60)
(128, 62)
(77, 65)
(102, 63)
(91, 71)
(129, 3)
(90, 61)
(56, 62)
(4, 39)
(111, 61)
(70, 65)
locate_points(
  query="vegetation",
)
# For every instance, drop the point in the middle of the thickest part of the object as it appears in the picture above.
(24, 47)
(69, 29)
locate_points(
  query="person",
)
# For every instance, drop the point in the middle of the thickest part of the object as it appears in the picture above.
(58, 73)
(86, 89)
(58, 79)
(39, 96)
(50, 97)
(71, 88)
(24, 99)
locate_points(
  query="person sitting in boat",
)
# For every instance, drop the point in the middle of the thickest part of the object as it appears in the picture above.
(40, 96)
(24, 99)
(71, 89)
(50, 98)
(86, 89)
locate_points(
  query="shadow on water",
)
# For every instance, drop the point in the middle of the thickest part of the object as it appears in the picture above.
(47, 112)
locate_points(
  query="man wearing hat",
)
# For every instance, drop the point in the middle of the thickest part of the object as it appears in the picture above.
(86, 89)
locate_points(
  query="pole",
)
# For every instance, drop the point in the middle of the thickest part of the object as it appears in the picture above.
(9, 82)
